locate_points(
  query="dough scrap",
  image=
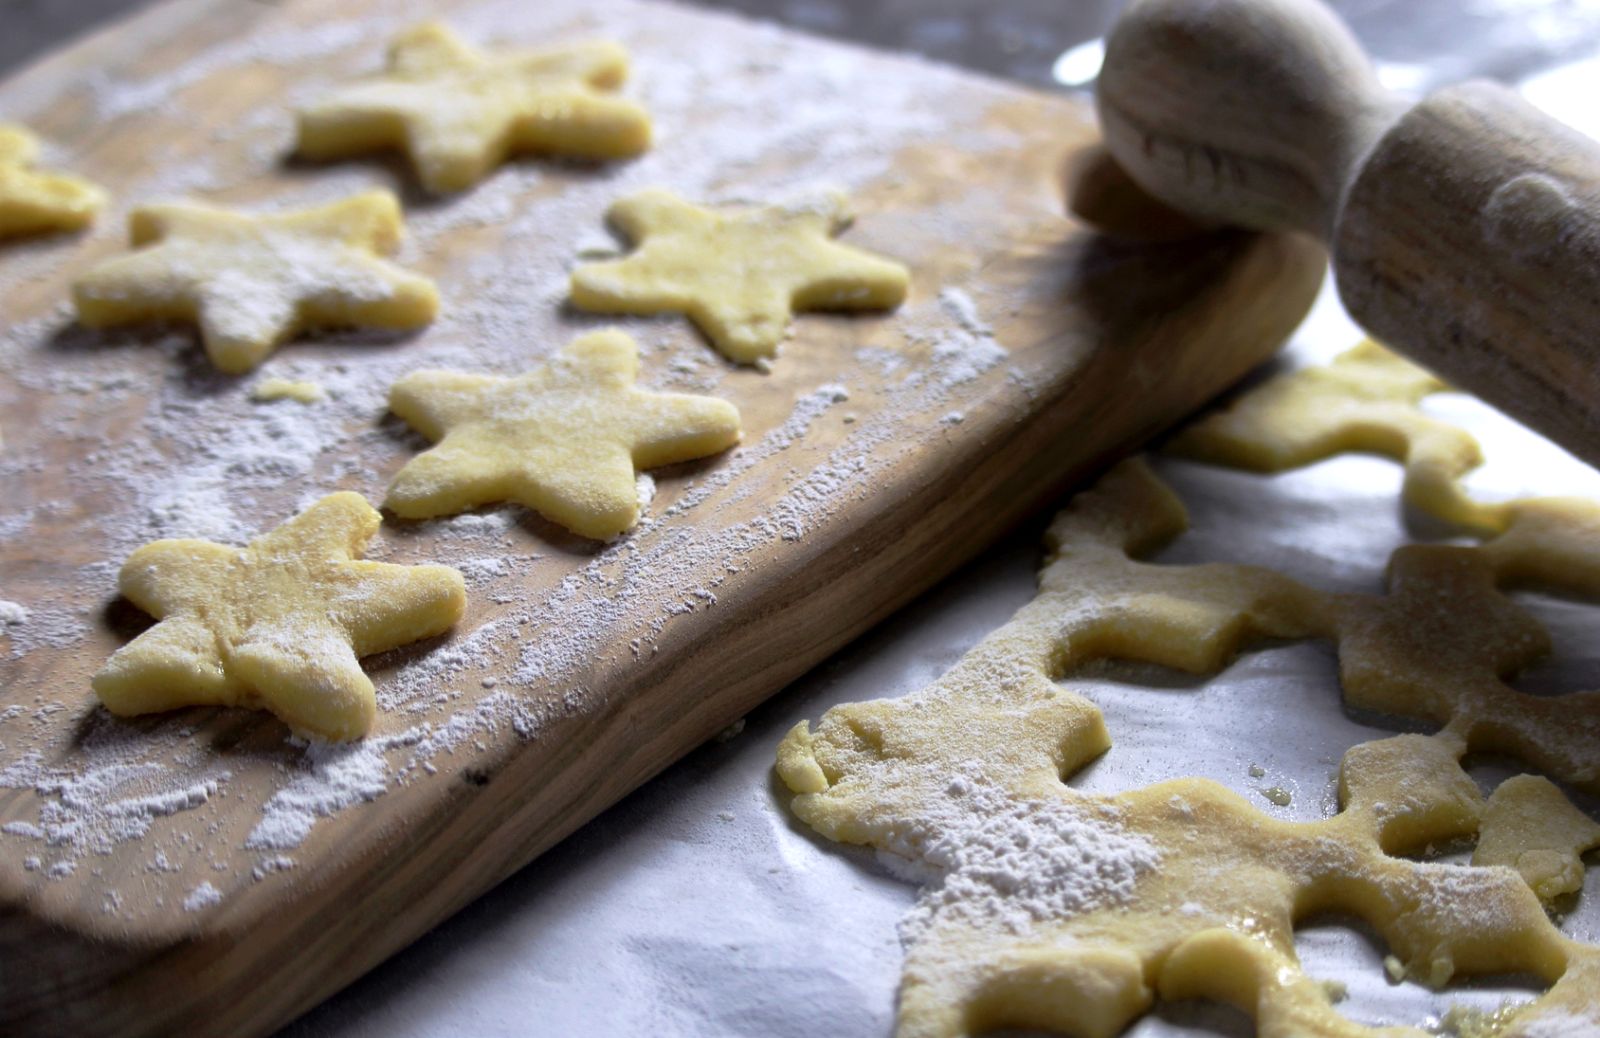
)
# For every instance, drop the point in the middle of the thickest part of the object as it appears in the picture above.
(1052, 908)
(740, 275)
(459, 112)
(563, 440)
(33, 202)
(251, 282)
(278, 624)
(1366, 400)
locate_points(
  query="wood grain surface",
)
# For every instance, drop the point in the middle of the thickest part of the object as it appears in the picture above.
(879, 454)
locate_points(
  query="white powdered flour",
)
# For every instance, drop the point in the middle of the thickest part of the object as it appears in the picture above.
(164, 447)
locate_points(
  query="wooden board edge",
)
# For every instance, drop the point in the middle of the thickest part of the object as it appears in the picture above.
(1250, 293)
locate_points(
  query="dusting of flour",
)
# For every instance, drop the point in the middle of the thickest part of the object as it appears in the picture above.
(169, 448)
(998, 864)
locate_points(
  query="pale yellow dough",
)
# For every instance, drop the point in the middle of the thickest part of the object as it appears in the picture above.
(32, 201)
(460, 112)
(1190, 891)
(1366, 400)
(564, 440)
(741, 275)
(251, 282)
(1530, 825)
(269, 389)
(278, 624)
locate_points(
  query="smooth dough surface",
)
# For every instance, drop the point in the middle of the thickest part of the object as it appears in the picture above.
(739, 275)
(33, 201)
(1052, 908)
(251, 282)
(564, 440)
(278, 624)
(460, 112)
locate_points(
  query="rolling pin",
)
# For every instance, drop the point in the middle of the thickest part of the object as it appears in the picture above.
(1464, 230)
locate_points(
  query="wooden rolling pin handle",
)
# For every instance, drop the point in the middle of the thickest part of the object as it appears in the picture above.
(1464, 230)
(1470, 238)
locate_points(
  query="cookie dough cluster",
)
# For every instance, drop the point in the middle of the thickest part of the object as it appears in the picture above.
(280, 623)
(1059, 909)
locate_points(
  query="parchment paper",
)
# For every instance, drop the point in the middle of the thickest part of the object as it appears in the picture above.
(699, 906)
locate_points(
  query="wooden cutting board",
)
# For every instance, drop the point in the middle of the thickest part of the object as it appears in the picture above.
(202, 873)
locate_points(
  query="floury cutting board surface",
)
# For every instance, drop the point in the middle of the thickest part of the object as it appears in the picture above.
(203, 872)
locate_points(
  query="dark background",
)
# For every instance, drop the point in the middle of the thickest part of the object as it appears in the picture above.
(1453, 39)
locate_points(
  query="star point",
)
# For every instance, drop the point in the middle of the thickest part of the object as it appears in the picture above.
(459, 112)
(564, 439)
(278, 624)
(739, 275)
(34, 201)
(252, 282)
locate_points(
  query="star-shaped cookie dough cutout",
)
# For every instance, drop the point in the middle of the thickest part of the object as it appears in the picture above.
(278, 624)
(31, 201)
(459, 112)
(564, 440)
(740, 275)
(251, 282)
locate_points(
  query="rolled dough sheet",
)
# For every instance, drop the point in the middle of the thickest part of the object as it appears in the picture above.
(699, 905)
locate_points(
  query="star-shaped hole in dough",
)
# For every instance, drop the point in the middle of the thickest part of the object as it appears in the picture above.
(460, 112)
(33, 202)
(251, 282)
(564, 439)
(278, 624)
(1064, 909)
(739, 275)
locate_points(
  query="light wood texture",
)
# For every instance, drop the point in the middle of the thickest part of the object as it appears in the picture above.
(1474, 227)
(1465, 232)
(1107, 344)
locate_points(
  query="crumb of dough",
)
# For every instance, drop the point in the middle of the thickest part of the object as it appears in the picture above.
(1278, 796)
(286, 389)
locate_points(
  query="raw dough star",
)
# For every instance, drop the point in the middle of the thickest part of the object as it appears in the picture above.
(460, 112)
(278, 624)
(739, 276)
(31, 201)
(564, 440)
(251, 282)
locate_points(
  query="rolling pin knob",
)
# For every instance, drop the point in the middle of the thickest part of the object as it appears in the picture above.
(1464, 230)
(1248, 112)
